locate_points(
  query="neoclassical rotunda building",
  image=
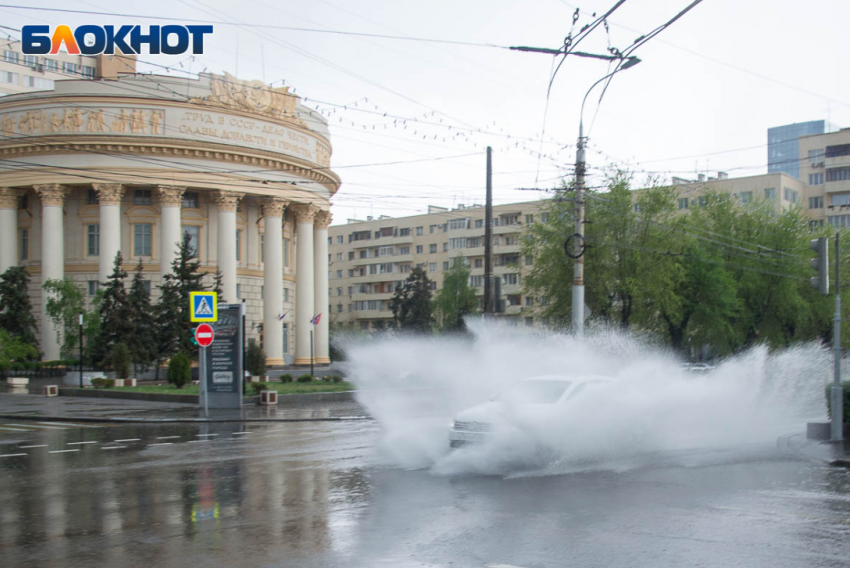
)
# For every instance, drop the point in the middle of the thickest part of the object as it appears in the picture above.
(133, 163)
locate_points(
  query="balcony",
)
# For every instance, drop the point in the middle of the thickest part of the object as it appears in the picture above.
(838, 162)
(837, 186)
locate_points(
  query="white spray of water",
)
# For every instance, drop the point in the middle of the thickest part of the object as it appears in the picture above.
(415, 386)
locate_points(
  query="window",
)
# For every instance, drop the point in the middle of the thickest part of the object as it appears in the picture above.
(418, 249)
(404, 268)
(25, 244)
(360, 236)
(838, 174)
(93, 240)
(262, 248)
(38, 83)
(351, 255)
(746, 196)
(838, 151)
(339, 273)
(455, 224)
(840, 199)
(816, 203)
(142, 239)
(286, 252)
(816, 158)
(8, 77)
(479, 223)
(403, 250)
(330, 241)
(31, 61)
(418, 231)
(770, 193)
(815, 224)
(70, 68)
(339, 308)
(51, 65)
(529, 260)
(24, 203)
(513, 300)
(432, 248)
(286, 294)
(142, 197)
(544, 217)
(339, 239)
(478, 263)
(92, 287)
(816, 179)
(510, 279)
(476, 281)
(839, 220)
(432, 229)
(191, 200)
(91, 197)
(529, 302)
(529, 219)
(87, 71)
(404, 232)
(10, 56)
(386, 251)
(445, 265)
(350, 290)
(364, 253)
(238, 247)
(339, 257)
(194, 234)
(512, 219)
(457, 243)
(339, 291)
(239, 290)
(511, 240)
(432, 285)
(146, 284)
(432, 267)
(790, 194)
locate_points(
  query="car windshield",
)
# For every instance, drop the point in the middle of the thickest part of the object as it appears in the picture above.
(534, 392)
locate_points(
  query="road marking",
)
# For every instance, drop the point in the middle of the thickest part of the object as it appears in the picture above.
(112, 447)
(128, 440)
(62, 451)
(80, 443)
(39, 426)
(3, 428)
(167, 437)
(198, 441)
(35, 446)
(12, 455)
(205, 435)
(241, 433)
(162, 444)
(70, 424)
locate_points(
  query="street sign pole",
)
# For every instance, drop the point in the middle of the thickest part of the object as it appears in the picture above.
(311, 352)
(202, 372)
(837, 393)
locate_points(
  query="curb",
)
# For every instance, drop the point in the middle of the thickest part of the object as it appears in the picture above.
(784, 443)
(283, 399)
(119, 419)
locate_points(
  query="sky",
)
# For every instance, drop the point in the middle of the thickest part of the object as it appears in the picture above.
(410, 119)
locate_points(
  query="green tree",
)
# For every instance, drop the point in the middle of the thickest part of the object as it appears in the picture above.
(255, 359)
(16, 316)
(411, 303)
(218, 283)
(142, 343)
(456, 300)
(120, 360)
(65, 302)
(14, 350)
(179, 370)
(116, 317)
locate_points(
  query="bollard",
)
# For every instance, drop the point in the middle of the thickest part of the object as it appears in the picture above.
(130, 382)
(268, 397)
(119, 382)
(51, 390)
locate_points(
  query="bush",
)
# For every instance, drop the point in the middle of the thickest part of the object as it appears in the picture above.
(287, 378)
(259, 387)
(103, 383)
(337, 379)
(179, 370)
(120, 360)
(327, 378)
(845, 385)
(305, 378)
(255, 359)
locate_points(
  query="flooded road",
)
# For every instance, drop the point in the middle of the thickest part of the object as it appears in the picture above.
(315, 494)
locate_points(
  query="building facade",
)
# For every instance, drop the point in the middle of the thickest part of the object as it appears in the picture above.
(91, 168)
(783, 148)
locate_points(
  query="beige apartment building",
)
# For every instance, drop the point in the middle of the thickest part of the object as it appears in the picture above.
(21, 73)
(368, 259)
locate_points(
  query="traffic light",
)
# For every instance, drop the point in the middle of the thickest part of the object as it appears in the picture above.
(194, 341)
(820, 264)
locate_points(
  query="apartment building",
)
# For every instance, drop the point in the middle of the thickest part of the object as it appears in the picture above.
(21, 73)
(368, 259)
(783, 148)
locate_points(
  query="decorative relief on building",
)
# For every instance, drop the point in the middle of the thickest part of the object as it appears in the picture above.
(251, 96)
(9, 198)
(227, 200)
(323, 155)
(304, 212)
(52, 194)
(72, 121)
(109, 193)
(170, 195)
(273, 206)
(323, 219)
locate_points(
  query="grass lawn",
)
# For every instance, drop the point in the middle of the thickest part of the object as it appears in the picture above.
(281, 388)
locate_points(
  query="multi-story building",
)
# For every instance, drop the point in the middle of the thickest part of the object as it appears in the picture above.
(368, 259)
(783, 148)
(21, 73)
(825, 164)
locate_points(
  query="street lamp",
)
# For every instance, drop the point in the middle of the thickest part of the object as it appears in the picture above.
(578, 237)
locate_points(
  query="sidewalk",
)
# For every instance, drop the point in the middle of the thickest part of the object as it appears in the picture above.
(39, 407)
(835, 454)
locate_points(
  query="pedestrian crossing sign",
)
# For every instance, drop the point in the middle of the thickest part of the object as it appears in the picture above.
(204, 306)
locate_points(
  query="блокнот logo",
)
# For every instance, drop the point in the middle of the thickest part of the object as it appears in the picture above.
(128, 40)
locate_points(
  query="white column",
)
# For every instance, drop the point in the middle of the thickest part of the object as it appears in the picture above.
(8, 228)
(170, 232)
(52, 258)
(304, 304)
(227, 201)
(109, 197)
(320, 269)
(273, 280)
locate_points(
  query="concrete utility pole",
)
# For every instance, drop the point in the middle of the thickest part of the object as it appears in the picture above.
(488, 237)
(578, 241)
(837, 393)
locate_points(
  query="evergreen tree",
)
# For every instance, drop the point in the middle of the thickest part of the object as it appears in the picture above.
(411, 303)
(142, 343)
(174, 328)
(217, 284)
(116, 318)
(15, 308)
(457, 299)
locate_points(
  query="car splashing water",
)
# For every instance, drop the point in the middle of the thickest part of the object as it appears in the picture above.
(415, 386)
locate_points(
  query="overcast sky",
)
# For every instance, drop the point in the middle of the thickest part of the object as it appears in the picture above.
(701, 100)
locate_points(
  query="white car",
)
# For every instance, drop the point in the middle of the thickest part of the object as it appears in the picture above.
(529, 401)
(697, 367)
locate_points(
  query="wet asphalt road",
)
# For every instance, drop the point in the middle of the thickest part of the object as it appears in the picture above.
(313, 494)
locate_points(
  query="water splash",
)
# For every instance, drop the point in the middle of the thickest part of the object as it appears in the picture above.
(415, 386)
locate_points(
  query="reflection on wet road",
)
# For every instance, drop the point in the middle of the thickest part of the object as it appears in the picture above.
(313, 494)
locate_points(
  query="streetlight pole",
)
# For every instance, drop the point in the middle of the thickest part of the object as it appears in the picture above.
(578, 236)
